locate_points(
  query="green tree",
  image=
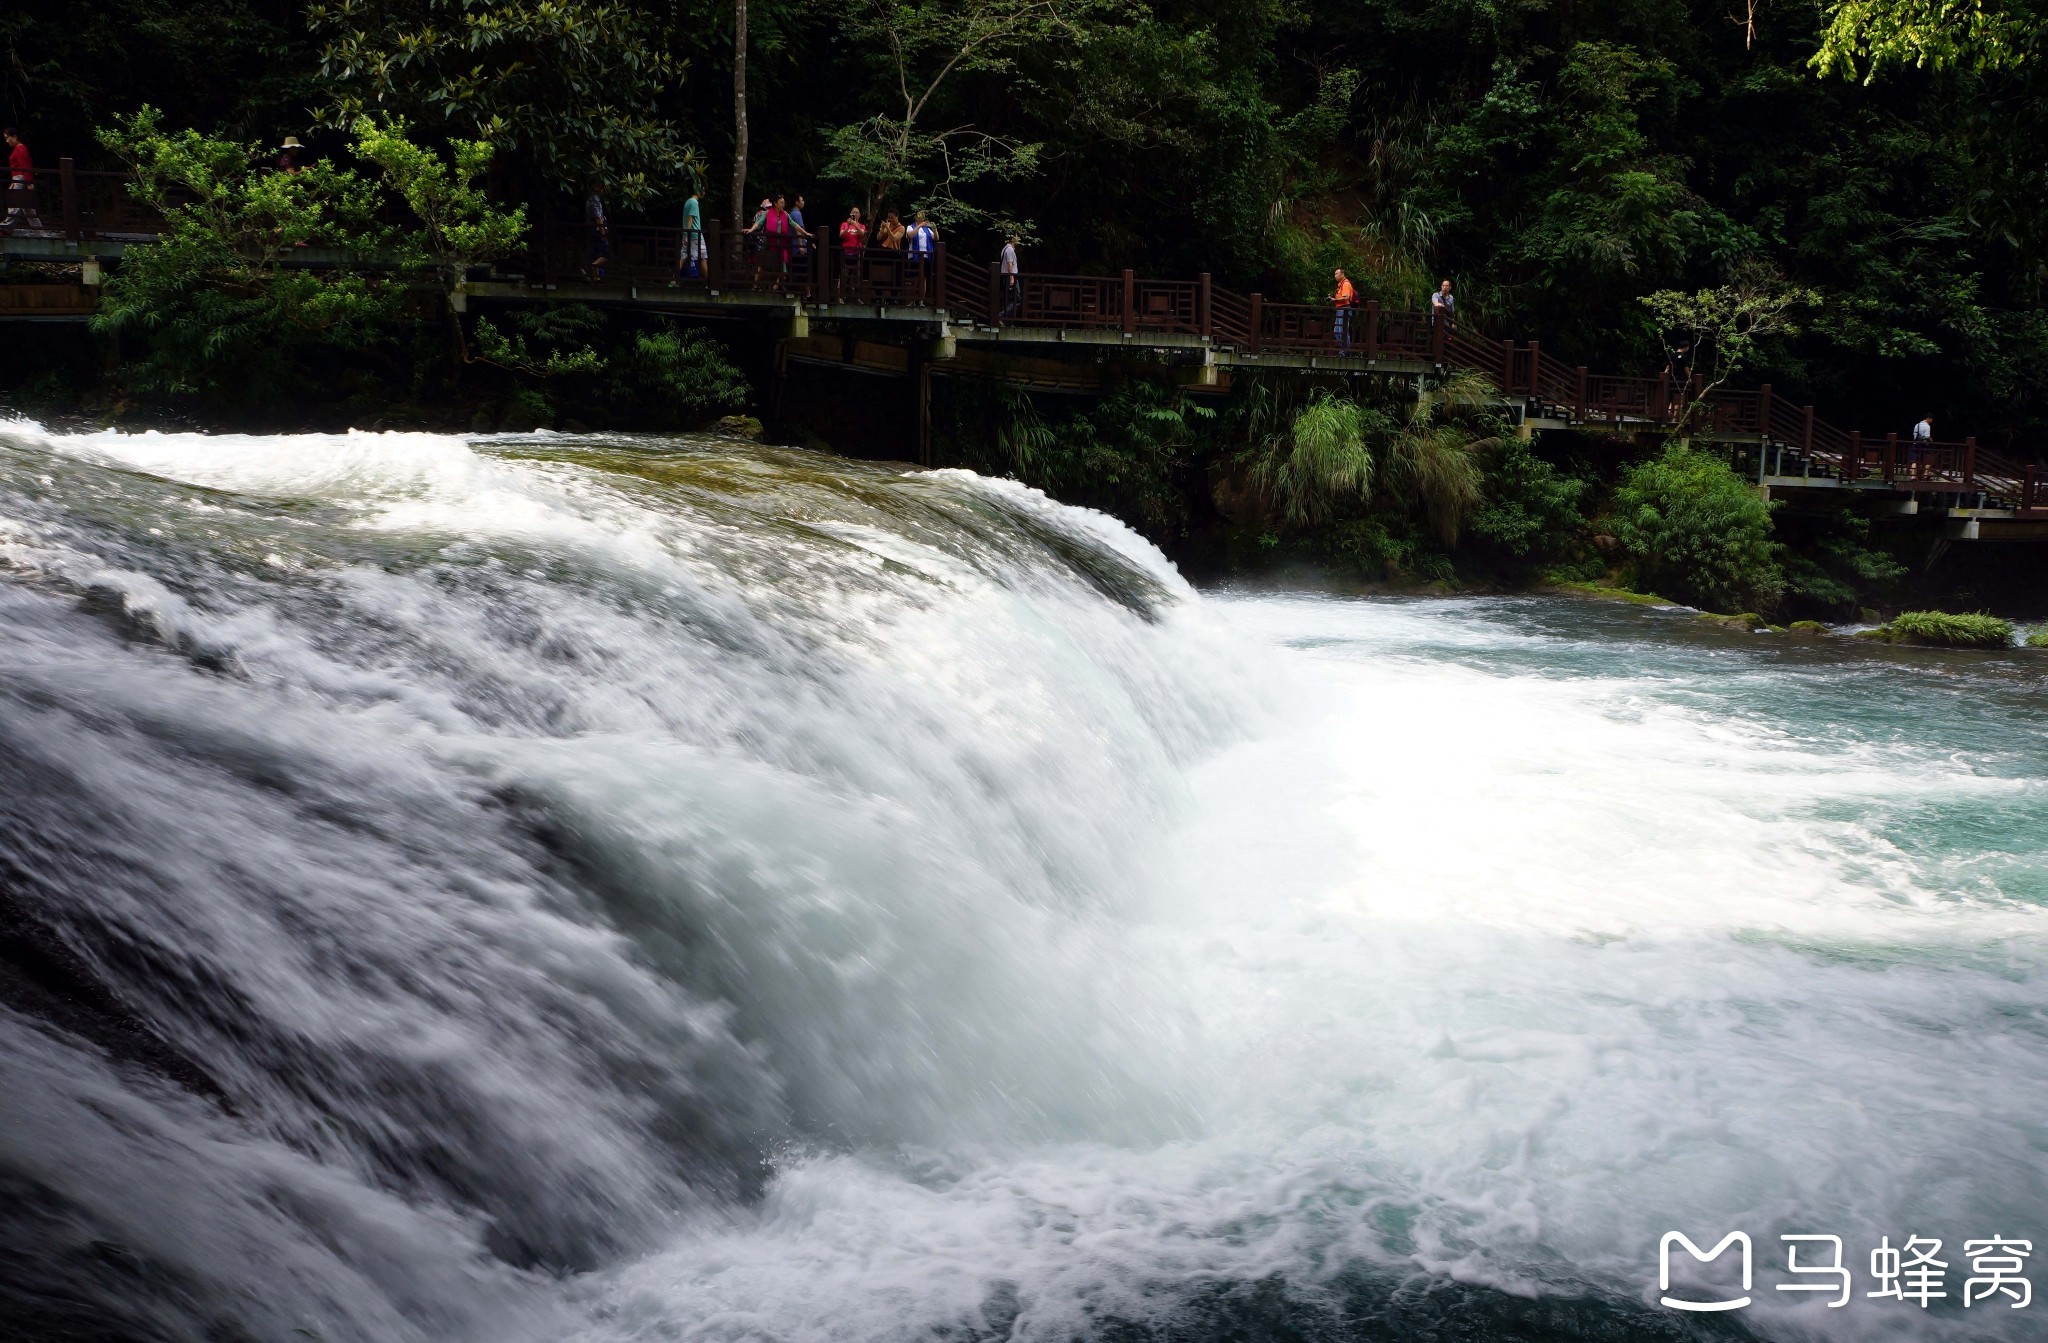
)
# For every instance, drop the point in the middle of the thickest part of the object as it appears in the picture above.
(1864, 36)
(1726, 326)
(221, 313)
(576, 85)
(459, 227)
(1694, 530)
(925, 47)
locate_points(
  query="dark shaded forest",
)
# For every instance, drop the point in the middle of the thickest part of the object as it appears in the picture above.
(1558, 160)
(1561, 162)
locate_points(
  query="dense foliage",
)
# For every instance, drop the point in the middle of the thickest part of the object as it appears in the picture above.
(1942, 629)
(1695, 530)
(1842, 201)
(1560, 161)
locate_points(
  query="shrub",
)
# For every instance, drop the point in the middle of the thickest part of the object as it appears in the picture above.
(1531, 513)
(677, 374)
(1694, 529)
(1830, 568)
(2038, 638)
(1945, 630)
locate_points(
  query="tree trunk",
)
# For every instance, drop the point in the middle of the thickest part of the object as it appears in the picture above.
(739, 116)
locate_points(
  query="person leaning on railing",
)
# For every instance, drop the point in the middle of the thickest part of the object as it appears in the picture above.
(21, 185)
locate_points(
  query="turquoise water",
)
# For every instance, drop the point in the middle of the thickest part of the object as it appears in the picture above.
(581, 889)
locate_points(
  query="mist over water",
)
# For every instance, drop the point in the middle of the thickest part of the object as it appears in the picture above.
(580, 889)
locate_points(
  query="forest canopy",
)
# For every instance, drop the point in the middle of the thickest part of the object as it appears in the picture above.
(1560, 162)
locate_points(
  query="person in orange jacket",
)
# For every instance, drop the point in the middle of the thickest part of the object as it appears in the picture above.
(1345, 299)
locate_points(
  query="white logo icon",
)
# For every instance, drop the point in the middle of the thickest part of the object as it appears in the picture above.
(1703, 1256)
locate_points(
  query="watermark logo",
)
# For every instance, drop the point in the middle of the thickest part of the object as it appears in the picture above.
(1834, 1270)
(1910, 1274)
(1672, 1238)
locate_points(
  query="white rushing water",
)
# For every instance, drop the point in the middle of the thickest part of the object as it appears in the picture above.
(595, 890)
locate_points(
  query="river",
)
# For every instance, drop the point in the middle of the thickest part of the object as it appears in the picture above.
(586, 890)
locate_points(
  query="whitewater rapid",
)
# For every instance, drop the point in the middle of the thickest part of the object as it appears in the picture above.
(577, 889)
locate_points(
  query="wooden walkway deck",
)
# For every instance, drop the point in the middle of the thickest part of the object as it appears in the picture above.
(891, 313)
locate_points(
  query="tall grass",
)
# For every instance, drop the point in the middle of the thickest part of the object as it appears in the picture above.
(1323, 461)
(1435, 463)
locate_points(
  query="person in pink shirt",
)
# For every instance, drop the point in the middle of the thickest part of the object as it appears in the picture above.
(21, 184)
(853, 235)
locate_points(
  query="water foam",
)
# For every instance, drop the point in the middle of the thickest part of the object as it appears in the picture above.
(1067, 948)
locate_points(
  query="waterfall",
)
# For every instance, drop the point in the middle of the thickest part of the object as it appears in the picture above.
(583, 889)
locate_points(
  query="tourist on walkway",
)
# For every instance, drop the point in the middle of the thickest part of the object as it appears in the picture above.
(690, 256)
(853, 235)
(1920, 457)
(796, 225)
(598, 221)
(924, 253)
(780, 231)
(754, 236)
(771, 233)
(291, 156)
(21, 185)
(889, 233)
(1443, 309)
(1013, 289)
(1344, 298)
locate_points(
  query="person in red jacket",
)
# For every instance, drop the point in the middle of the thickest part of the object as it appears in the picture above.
(21, 184)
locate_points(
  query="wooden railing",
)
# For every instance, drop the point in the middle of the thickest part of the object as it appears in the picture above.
(87, 206)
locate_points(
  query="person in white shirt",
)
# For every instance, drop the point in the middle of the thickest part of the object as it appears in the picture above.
(1443, 307)
(1013, 291)
(1921, 454)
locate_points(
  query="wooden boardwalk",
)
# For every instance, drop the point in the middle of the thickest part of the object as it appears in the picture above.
(888, 312)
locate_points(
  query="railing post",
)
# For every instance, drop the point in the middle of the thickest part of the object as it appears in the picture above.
(1536, 369)
(939, 275)
(1258, 307)
(1507, 366)
(1763, 411)
(1582, 392)
(1438, 329)
(1969, 464)
(67, 182)
(1130, 301)
(714, 254)
(2027, 491)
(1806, 435)
(1372, 328)
(1891, 455)
(1852, 467)
(1205, 320)
(995, 293)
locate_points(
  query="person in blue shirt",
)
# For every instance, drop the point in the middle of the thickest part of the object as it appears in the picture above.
(924, 252)
(690, 257)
